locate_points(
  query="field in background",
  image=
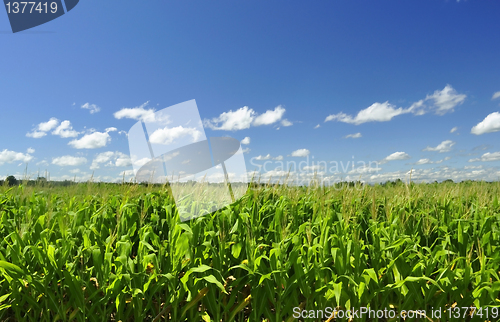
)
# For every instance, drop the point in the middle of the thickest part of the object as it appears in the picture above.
(103, 252)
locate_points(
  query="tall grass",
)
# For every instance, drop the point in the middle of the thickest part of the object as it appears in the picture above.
(120, 253)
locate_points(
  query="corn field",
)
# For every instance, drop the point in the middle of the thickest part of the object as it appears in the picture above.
(101, 252)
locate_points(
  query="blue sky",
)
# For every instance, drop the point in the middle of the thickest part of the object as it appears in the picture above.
(401, 74)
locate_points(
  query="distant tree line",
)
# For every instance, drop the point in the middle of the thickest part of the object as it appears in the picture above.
(41, 181)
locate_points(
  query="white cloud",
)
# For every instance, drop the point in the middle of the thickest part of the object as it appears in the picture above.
(441, 101)
(246, 140)
(49, 125)
(92, 107)
(495, 156)
(278, 158)
(423, 161)
(428, 161)
(270, 117)
(68, 160)
(446, 100)
(244, 118)
(140, 162)
(42, 128)
(495, 95)
(263, 157)
(353, 136)
(232, 121)
(418, 108)
(127, 173)
(395, 156)
(7, 156)
(36, 134)
(454, 129)
(101, 158)
(377, 112)
(65, 130)
(490, 124)
(444, 146)
(111, 158)
(111, 129)
(135, 113)
(286, 122)
(168, 135)
(246, 150)
(30, 150)
(300, 153)
(436, 174)
(312, 168)
(317, 126)
(91, 141)
(123, 160)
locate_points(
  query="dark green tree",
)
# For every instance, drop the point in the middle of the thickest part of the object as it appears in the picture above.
(11, 181)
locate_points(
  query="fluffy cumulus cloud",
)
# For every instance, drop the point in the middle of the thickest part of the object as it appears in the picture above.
(111, 159)
(49, 125)
(246, 140)
(446, 100)
(91, 141)
(495, 95)
(396, 156)
(240, 119)
(377, 112)
(441, 102)
(245, 117)
(168, 135)
(444, 146)
(122, 160)
(42, 128)
(453, 130)
(91, 107)
(495, 156)
(69, 161)
(270, 117)
(136, 113)
(490, 124)
(7, 156)
(65, 130)
(353, 136)
(300, 153)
